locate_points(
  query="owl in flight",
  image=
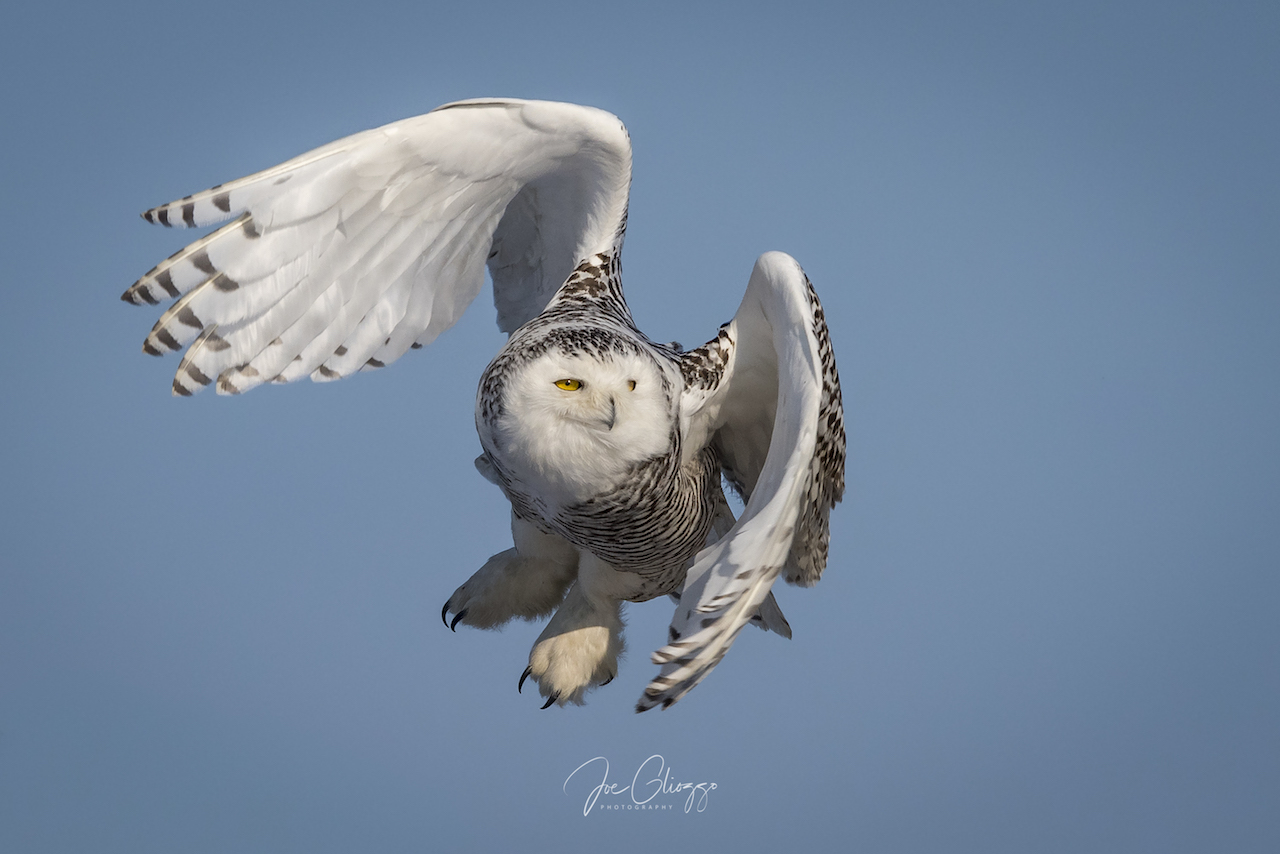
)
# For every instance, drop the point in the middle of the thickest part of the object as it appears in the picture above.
(612, 449)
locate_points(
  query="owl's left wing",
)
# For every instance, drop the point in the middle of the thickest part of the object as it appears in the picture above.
(765, 393)
(343, 258)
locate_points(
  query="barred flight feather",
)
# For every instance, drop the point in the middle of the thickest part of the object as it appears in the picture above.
(189, 266)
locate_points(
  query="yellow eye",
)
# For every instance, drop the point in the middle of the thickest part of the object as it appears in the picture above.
(631, 385)
(569, 385)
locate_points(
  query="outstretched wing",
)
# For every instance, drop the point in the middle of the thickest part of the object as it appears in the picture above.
(342, 259)
(766, 394)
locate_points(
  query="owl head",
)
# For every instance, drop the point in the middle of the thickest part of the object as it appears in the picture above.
(574, 421)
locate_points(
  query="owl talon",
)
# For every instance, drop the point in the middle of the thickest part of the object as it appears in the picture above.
(444, 615)
(550, 700)
(459, 616)
(523, 676)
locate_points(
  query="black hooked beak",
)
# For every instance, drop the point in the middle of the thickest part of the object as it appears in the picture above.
(613, 413)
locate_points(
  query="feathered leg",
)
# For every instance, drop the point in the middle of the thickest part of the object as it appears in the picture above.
(527, 581)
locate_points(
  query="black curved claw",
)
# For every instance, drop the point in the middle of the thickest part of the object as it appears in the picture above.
(444, 614)
(459, 616)
(550, 700)
(523, 676)
(607, 681)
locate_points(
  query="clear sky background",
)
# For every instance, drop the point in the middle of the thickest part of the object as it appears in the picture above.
(1048, 241)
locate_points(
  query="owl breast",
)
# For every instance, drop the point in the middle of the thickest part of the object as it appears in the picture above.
(655, 522)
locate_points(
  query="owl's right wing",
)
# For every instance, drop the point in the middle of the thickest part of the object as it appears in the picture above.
(343, 258)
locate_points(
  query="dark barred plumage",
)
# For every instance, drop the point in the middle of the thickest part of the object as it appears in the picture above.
(826, 472)
(703, 366)
(654, 523)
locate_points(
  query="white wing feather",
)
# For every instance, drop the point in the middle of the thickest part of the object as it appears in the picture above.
(776, 417)
(343, 258)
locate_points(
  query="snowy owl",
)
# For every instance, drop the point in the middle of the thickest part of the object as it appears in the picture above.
(611, 449)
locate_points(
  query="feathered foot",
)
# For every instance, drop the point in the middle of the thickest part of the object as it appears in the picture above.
(528, 581)
(578, 650)
(580, 647)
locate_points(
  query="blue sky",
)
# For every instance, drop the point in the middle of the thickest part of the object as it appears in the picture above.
(1046, 240)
